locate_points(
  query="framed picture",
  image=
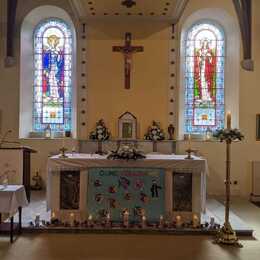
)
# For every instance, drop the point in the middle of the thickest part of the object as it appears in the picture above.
(127, 125)
(257, 127)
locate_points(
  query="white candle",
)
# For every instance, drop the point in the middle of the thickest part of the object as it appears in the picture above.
(161, 221)
(178, 221)
(108, 219)
(90, 218)
(72, 218)
(143, 221)
(53, 215)
(228, 120)
(195, 221)
(189, 141)
(125, 218)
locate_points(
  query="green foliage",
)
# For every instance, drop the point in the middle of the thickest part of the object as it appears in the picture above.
(228, 135)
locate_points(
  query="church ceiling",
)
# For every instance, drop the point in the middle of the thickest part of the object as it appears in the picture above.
(169, 10)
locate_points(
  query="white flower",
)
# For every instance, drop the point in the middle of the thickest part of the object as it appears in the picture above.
(154, 132)
(100, 137)
(100, 131)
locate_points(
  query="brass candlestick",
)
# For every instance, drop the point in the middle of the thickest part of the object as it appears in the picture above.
(226, 235)
(62, 152)
(189, 151)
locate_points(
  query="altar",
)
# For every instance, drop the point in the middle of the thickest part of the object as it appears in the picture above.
(159, 185)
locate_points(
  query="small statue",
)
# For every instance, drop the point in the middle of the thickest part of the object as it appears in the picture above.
(171, 131)
(38, 182)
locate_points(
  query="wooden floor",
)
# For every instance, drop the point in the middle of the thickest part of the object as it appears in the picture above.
(135, 247)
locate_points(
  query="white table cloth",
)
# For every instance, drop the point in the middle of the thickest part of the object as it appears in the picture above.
(84, 161)
(11, 198)
(81, 162)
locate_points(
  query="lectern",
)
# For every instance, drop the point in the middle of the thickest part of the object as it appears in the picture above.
(16, 163)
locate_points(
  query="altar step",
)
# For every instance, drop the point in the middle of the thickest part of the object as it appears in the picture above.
(214, 208)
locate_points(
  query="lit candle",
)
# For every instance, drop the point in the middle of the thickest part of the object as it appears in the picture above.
(72, 215)
(90, 218)
(143, 221)
(178, 221)
(161, 221)
(53, 215)
(125, 218)
(195, 221)
(108, 219)
(228, 120)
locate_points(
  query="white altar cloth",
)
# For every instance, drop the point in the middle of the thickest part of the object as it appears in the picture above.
(11, 198)
(177, 163)
(84, 161)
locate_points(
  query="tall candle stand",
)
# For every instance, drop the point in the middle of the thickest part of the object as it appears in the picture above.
(226, 235)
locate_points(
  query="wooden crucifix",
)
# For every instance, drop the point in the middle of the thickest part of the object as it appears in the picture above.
(127, 51)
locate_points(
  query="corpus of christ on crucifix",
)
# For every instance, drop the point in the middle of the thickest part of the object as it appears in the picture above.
(127, 51)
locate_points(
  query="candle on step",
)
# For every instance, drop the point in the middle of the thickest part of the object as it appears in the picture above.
(178, 221)
(90, 220)
(161, 221)
(108, 219)
(143, 221)
(126, 218)
(195, 221)
(72, 218)
(228, 120)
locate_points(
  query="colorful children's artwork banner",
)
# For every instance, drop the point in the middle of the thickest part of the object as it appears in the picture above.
(141, 191)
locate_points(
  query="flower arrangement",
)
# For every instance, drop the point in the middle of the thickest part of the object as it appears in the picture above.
(228, 135)
(101, 132)
(154, 133)
(126, 152)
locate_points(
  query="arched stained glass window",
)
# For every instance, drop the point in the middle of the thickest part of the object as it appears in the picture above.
(204, 78)
(52, 76)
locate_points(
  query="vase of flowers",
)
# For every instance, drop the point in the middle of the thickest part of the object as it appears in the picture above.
(100, 134)
(126, 152)
(154, 134)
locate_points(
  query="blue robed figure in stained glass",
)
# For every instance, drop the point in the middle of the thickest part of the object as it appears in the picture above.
(53, 72)
(53, 69)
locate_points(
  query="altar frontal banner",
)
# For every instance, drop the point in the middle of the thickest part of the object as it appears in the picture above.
(138, 190)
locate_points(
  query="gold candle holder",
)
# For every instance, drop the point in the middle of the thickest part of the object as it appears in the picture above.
(189, 152)
(62, 152)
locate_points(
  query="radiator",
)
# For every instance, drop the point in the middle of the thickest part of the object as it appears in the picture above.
(255, 195)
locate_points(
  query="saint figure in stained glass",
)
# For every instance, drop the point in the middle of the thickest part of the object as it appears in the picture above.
(205, 70)
(53, 72)
(204, 92)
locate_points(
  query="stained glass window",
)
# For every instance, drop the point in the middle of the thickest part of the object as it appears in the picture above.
(204, 78)
(52, 76)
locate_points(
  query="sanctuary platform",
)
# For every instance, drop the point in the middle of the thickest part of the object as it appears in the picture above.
(214, 209)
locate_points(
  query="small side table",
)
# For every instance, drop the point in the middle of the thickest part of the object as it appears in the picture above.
(12, 199)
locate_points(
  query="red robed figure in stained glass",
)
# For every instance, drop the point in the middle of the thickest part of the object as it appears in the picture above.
(205, 73)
